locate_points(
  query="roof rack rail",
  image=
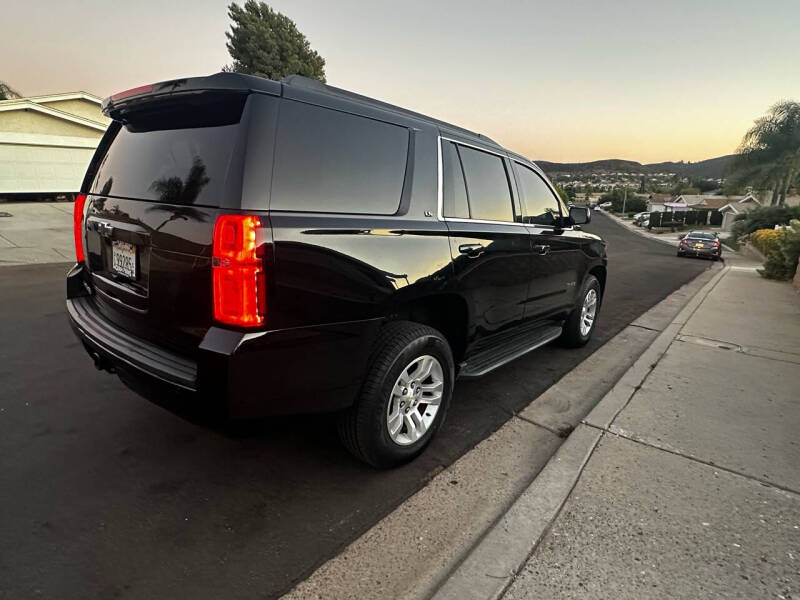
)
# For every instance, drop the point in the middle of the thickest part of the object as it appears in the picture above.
(299, 81)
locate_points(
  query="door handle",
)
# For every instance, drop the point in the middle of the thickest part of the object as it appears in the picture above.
(541, 249)
(471, 250)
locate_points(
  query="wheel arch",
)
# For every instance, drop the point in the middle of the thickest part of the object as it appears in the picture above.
(447, 313)
(599, 271)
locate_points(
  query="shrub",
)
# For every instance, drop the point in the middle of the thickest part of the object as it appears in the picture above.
(781, 261)
(633, 204)
(766, 240)
(765, 217)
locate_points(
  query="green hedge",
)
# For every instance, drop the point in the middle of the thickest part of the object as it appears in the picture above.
(782, 257)
(766, 217)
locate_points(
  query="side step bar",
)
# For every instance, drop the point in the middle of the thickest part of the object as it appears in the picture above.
(496, 356)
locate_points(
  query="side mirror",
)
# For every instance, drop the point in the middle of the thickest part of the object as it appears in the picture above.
(580, 215)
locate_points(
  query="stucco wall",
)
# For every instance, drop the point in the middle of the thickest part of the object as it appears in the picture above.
(727, 220)
(29, 121)
(81, 108)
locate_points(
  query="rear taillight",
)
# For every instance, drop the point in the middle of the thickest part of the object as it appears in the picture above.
(716, 243)
(77, 226)
(238, 271)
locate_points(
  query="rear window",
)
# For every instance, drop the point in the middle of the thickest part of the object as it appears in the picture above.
(177, 152)
(701, 235)
(330, 161)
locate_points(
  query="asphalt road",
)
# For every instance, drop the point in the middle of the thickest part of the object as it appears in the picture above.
(103, 494)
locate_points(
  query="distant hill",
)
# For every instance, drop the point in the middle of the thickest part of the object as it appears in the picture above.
(712, 168)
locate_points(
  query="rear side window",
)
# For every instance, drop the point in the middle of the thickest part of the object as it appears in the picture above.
(454, 190)
(329, 161)
(487, 185)
(540, 202)
(177, 152)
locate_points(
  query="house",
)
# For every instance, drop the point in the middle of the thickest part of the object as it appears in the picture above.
(716, 202)
(659, 202)
(46, 143)
(695, 201)
(737, 207)
(690, 200)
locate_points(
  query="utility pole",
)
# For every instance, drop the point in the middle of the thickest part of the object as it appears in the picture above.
(624, 199)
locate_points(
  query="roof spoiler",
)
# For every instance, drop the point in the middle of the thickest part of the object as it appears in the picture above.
(114, 105)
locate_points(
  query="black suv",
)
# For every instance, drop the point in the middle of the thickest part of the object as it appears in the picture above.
(280, 247)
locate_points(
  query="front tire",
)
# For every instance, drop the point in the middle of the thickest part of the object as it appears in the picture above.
(579, 326)
(404, 398)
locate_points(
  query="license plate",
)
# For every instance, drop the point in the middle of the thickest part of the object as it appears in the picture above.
(123, 258)
(700, 245)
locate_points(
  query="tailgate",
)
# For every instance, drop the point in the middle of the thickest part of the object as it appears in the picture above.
(165, 175)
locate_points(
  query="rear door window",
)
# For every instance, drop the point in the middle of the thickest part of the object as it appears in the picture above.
(454, 189)
(330, 161)
(488, 187)
(541, 204)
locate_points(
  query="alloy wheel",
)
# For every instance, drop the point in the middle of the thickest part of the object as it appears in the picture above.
(415, 400)
(588, 312)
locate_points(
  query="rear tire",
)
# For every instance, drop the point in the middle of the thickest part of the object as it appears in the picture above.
(402, 348)
(575, 332)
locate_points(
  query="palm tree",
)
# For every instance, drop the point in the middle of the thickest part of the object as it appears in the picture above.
(769, 155)
(6, 93)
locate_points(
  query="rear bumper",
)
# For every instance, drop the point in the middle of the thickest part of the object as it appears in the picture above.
(706, 252)
(236, 374)
(114, 348)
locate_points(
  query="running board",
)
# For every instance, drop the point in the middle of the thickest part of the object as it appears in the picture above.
(504, 352)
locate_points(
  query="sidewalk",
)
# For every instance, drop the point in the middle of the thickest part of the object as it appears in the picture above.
(683, 482)
(36, 232)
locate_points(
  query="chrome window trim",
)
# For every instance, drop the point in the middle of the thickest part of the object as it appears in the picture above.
(495, 152)
(460, 220)
(440, 193)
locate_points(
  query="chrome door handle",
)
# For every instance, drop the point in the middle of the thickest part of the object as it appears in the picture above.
(541, 249)
(471, 250)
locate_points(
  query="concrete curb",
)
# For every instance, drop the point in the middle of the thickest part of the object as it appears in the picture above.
(418, 556)
(493, 563)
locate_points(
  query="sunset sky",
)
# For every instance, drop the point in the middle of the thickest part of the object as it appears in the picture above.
(556, 80)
